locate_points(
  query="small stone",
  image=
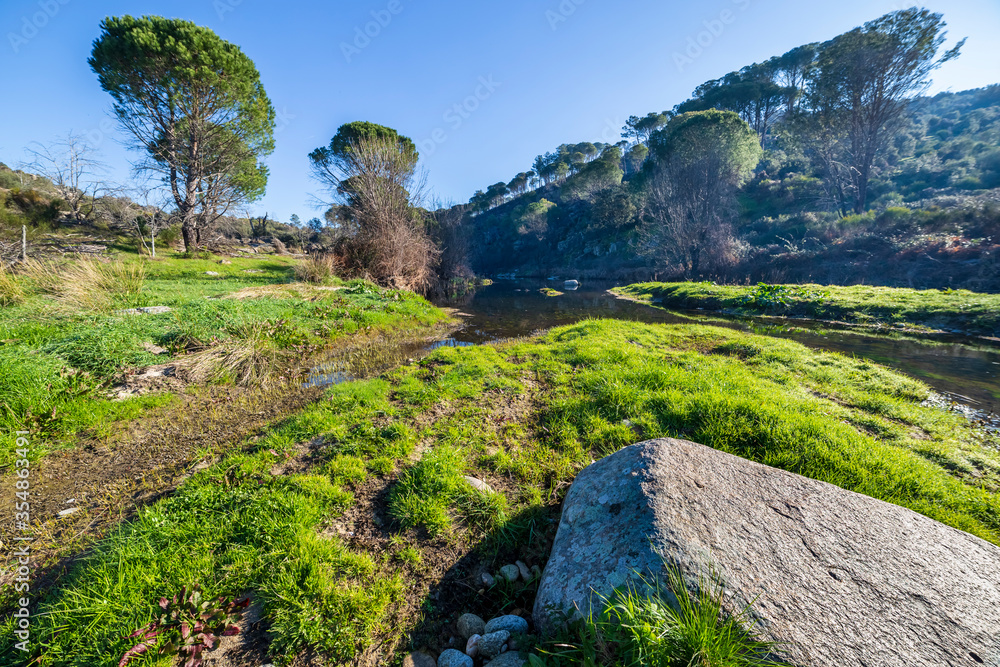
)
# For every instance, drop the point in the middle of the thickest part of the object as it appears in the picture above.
(523, 570)
(470, 624)
(418, 659)
(224, 261)
(154, 349)
(211, 273)
(488, 580)
(452, 658)
(509, 659)
(478, 484)
(71, 510)
(515, 625)
(472, 646)
(510, 572)
(491, 644)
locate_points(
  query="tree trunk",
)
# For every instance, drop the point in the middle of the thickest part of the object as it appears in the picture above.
(188, 232)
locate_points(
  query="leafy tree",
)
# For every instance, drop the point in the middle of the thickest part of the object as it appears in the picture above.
(699, 161)
(295, 221)
(371, 170)
(861, 87)
(316, 225)
(194, 104)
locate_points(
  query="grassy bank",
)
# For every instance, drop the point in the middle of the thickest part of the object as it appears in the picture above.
(949, 310)
(68, 347)
(368, 540)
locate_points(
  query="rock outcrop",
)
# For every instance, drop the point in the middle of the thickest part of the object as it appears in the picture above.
(843, 580)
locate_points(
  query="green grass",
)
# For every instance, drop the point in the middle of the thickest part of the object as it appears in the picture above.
(524, 416)
(59, 359)
(663, 624)
(963, 310)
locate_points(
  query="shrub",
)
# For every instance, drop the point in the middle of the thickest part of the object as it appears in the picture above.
(317, 269)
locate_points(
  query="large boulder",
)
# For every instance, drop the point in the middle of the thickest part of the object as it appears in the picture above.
(843, 579)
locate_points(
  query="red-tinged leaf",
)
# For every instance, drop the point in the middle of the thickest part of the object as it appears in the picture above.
(185, 631)
(151, 633)
(242, 604)
(140, 631)
(133, 652)
(164, 603)
(209, 641)
(230, 631)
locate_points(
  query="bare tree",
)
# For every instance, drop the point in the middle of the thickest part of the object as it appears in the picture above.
(71, 163)
(133, 209)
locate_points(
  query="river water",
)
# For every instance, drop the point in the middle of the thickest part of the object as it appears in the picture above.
(966, 372)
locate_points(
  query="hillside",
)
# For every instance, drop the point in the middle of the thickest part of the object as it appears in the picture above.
(933, 218)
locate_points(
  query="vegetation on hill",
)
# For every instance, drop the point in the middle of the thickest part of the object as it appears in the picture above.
(950, 310)
(923, 215)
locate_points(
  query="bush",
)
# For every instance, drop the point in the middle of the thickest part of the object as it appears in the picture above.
(317, 269)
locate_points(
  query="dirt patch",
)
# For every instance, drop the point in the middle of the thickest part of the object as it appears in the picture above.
(108, 479)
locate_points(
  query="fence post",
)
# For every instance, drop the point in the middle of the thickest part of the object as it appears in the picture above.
(24, 243)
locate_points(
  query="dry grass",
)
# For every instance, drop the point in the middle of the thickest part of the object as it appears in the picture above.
(248, 359)
(318, 269)
(101, 286)
(11, 290)
(88, 284)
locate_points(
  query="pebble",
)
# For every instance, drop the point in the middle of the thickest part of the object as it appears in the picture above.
(523, 570)
(508, 659)
(211, 273)
(515, 625)
(472, 647)
(469, 625)
(478, 484)
(452, 658)
(488, 579)
(492, 644)
(510, 572)
(71, 510)
(418, 659)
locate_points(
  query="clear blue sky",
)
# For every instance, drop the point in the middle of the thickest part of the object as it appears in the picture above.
(557, 71)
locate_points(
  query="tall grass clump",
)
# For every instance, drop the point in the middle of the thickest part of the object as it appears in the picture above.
(663, 626)
(318, 269)
(11, 290)
(89, 284)
(249, 358)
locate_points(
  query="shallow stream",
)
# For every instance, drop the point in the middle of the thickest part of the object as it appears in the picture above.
(965, 370)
